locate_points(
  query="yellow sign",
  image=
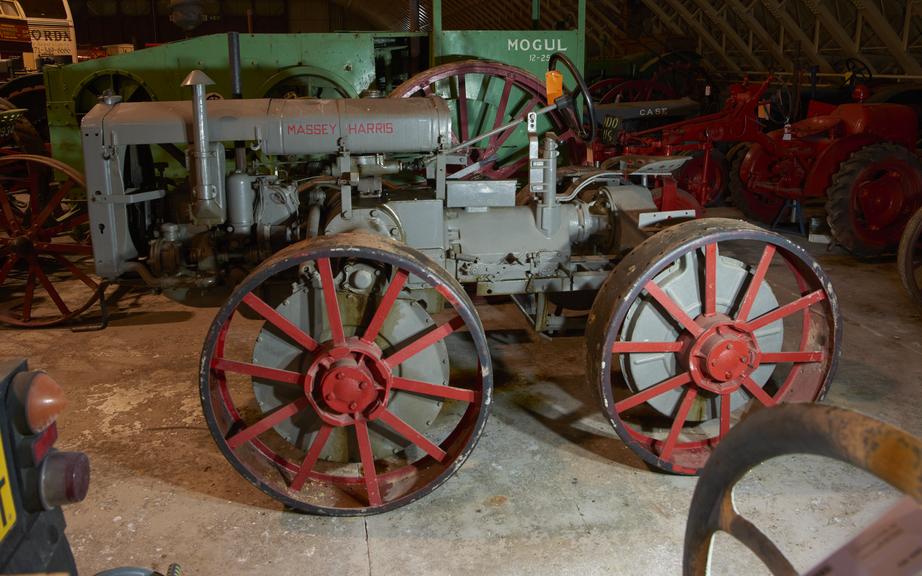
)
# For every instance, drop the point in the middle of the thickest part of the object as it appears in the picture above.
(7, 505)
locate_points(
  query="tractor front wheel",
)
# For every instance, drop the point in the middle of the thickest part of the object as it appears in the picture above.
(872, 196)
(754, 204)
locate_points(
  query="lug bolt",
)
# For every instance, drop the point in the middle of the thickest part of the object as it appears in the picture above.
(330, 396)
(727, 374)
(363, 385)
(339, 375)
(729, 347)
(743, 359)
(353, 406)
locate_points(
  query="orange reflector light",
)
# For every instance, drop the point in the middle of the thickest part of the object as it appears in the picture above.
(42, 397)
(554, 85)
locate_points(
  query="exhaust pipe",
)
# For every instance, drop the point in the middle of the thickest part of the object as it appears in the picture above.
(208, 207)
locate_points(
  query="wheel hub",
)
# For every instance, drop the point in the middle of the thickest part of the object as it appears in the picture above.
(882, 199)
(22, 246)
(722, 356)
(346, 380)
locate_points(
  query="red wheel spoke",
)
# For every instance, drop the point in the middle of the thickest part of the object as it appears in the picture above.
(710, 279)
(678, 423)
(49, 288)
(795, 357)
(55, 201)
(756, 282)
(500, 113)
(505, 135)
(412, 435)
(76, 271)
(724, 415)
(652, 392)
(509, 169)
(254, 430)
(329, 298)
(8, 216)
(7, 266)
(63, 248)
(673, 308)
(272, 316)
(786, 310)
(428, 389)
(757, 391)
(646, 347)
(284, 376)
(424, 341)
(384, 307)
(30, 293)
(313, 454)
(368, 463)
(462, 108)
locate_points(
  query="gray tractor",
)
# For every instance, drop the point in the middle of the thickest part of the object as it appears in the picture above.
(347, 370)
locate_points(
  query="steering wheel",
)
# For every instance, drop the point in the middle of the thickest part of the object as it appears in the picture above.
(587, 135)
(857, 72)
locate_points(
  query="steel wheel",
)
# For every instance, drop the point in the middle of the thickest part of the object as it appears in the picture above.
(909, 258)
(44, 243)
(327, 384)
(700, 320)
(483, 95)
(872, 196)
(881, 449)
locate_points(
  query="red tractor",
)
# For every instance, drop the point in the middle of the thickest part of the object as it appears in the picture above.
(858, 156)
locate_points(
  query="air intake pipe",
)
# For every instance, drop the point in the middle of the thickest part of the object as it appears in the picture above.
(208, 201)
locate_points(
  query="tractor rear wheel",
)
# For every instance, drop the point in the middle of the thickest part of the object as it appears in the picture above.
(874, 193)
(753, 204)
(346, 375)
(909, 257)
(699, 323)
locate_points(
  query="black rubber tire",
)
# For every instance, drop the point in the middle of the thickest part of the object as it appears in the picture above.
(908, 254)
(25, 137)
(763, 214)
(839, 209)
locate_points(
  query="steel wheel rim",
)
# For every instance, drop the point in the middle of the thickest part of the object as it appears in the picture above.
(299, 484)
(817, 348)
(493, 114)
(42, 252)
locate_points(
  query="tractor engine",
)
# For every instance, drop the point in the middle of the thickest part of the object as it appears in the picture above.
(263, 174)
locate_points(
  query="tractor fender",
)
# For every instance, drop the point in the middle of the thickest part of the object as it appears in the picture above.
(827, 163)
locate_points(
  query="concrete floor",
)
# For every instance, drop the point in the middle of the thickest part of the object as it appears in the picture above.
(549, 489)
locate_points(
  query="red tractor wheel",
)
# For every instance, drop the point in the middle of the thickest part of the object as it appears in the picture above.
(44, 243)
(483, 95)
(754, 204)
(909, 257)
(708, 188)
(696, 324)
(346, 375)
(874, 193)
